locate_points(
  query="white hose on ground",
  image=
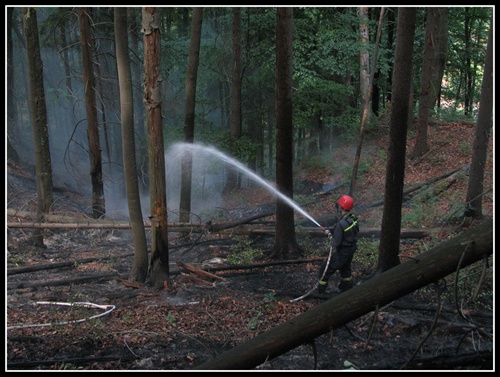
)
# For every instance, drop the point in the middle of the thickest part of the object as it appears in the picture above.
(108, 308)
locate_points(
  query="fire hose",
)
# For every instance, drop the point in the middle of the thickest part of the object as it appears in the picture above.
(327, 232)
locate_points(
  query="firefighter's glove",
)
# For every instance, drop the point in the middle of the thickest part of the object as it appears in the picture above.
(328, 233)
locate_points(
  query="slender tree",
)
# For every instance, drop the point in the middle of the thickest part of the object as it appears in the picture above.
(235, 123)
(139, 269)
(285, 240)
(64, 52)
(11, 113)
(140, 124)
(391, 22)
(474, 197)
(189, 116)
(38, 115)
(398, 126)
(364, 56)
(431, 74)
(98, 202)
(366, 107)
(159, 267)
(441, 56)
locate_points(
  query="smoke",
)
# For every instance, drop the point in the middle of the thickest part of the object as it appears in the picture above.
(207, 183)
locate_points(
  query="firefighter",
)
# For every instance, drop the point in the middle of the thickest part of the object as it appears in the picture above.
(344, 241)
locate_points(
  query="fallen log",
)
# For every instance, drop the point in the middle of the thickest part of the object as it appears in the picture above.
(220, 228)
(197, 280)
(50, 266)
(438, 262)
(199, 271)
(47, 283)
(263, 265)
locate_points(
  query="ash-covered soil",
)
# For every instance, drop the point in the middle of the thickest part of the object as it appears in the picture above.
(126, 326)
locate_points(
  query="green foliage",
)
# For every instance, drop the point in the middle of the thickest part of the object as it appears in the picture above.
(348, 123)
(243, 253)
(268, 302)
(170, 318)
(464, 148)
(424, 209)
(382, 154)
(254, 321)
(266, 305)
(69, 366)
(414, 217)
(453, 114)
(16, 260)
(319, 162)
(245, 149)
(367, 254)
(128, 317)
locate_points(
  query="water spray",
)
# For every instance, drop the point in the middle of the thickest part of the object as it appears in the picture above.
(215, 152)
(192, 147)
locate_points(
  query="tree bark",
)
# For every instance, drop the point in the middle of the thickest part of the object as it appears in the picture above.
(159, 266)
(440, 261)
(235, 123)
(39, 122)
(98, 206)
(474, 197)
(366, 105)
(139, 270)
(189, 116)
(285, 241)
(398, 127)
(429, 86)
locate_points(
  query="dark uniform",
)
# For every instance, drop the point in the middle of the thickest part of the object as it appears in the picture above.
(344, 240)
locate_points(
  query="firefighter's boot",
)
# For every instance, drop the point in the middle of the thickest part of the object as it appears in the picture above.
(322, 286)
(345, 284)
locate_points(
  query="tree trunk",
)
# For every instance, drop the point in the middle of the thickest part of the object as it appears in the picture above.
(12, 115)
(366, 106)
(235, 125)
(159, 267)
(428, 87)
(38, 114)
(474, 197)
(428, 267)
(391, 18)
(139, 270)
(441, 55)
(189, 116)
(98, 207)
(140, 123)
(398, 126)
(364, 59)
(285, 240)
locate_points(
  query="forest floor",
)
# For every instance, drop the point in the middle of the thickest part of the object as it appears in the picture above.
(194, 318)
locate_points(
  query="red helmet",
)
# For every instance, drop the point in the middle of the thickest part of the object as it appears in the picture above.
(346, 202)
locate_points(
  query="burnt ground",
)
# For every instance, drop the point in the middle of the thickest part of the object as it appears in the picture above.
(192, 320)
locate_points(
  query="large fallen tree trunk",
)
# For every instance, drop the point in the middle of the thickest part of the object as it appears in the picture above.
(439, 262)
